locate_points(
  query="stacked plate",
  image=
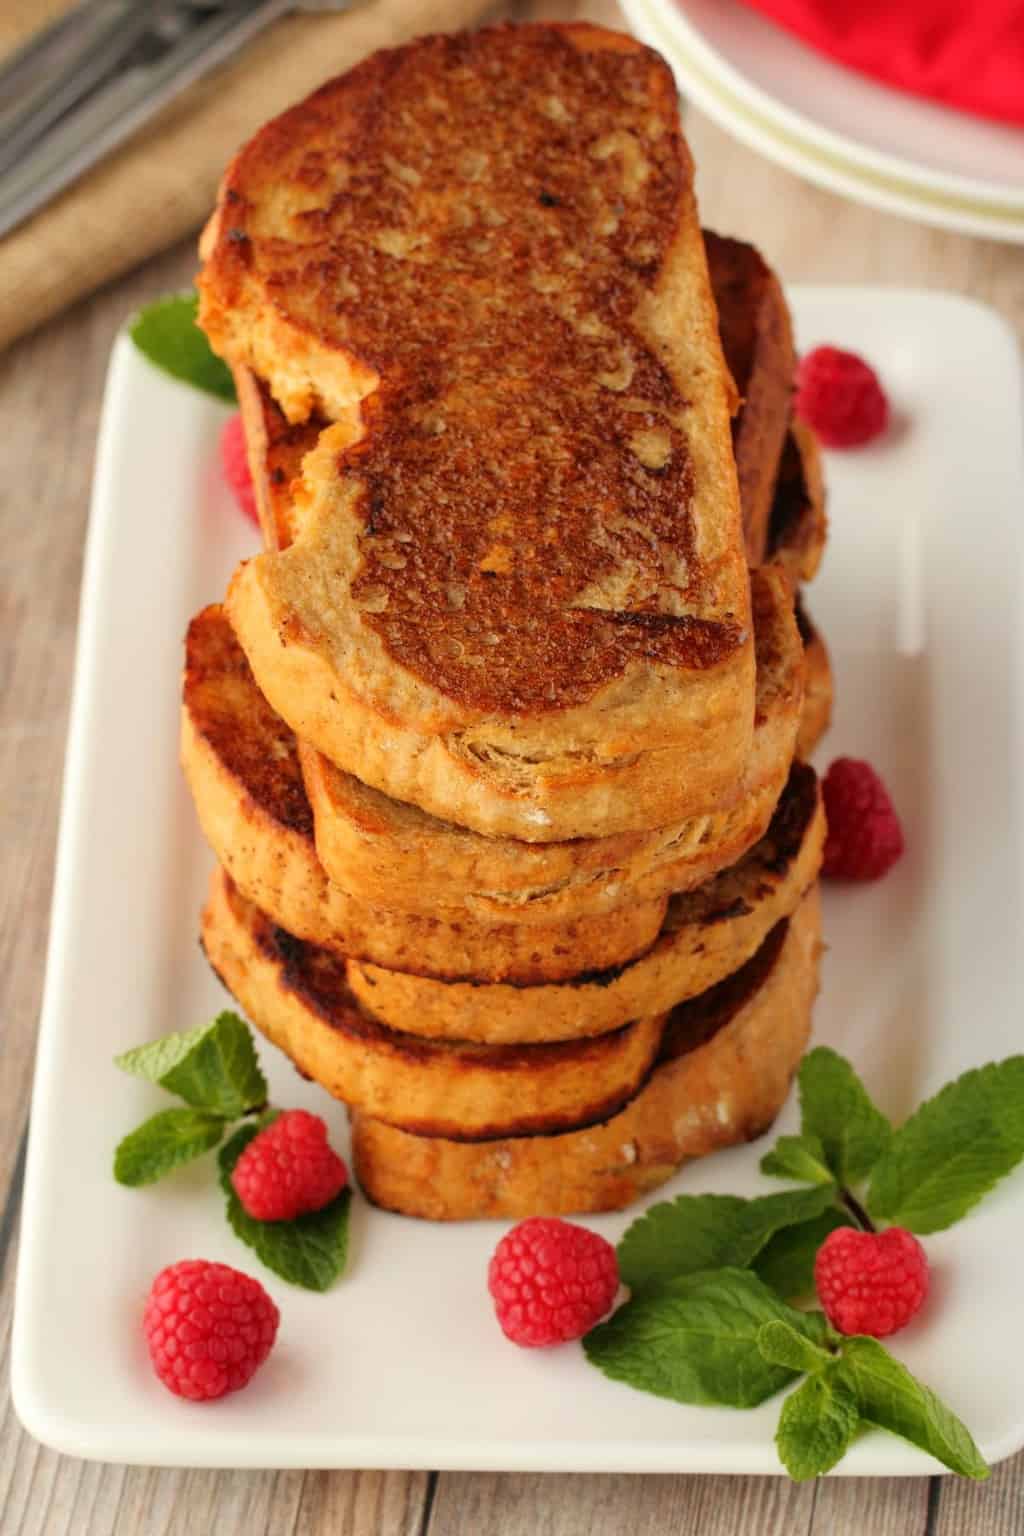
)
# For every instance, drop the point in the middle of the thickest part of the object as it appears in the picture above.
(836, 127)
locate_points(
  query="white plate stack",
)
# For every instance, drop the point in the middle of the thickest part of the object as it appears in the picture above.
(836, 127)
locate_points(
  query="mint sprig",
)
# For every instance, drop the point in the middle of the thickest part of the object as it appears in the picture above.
(215, 1069)
(956, 1147)
(166, 332)
(817, 1424)
(695, 1340)
(164, 1142)
(310, 1251)
(711, 1274)
(698, 1232)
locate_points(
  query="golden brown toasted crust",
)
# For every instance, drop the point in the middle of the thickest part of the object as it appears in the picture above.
(708, 933)
(799, 522)
(724, 1076)
(297, 995)
(384, 850)
(817, 711)
(242, 767)
(757, 339)
(517, 577)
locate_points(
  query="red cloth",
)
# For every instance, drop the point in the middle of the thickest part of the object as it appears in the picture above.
(965, 53)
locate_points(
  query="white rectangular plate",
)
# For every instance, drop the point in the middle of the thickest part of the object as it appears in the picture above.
(402, 1364)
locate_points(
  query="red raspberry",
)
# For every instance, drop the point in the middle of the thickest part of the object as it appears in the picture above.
(208, 1327)
(289, 1169)
(235, 464)
(551, 1281)
(871, 1282)
(840, 396)
(864, 834)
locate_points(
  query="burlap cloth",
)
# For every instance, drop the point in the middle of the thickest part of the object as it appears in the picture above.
(161, 184)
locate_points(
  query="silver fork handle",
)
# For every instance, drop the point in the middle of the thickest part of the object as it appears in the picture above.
(122, 106)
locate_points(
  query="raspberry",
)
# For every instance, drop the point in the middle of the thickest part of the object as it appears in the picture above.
(551, 1281)
(289, 1169)
(840, 396)
(864, 834)
(235, 465)
(871, 1282)
(208, 1327)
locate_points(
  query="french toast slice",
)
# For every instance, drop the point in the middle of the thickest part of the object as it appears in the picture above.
(757, 339)
(423, 896)
(708, 933)
(726, 1064)
(241, 764)
(297, 995)
(516, 595)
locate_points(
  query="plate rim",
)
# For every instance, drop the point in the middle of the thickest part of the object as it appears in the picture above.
(1005, 198)
(68, 1434)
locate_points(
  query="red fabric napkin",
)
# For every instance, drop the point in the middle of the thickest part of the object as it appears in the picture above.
(965, 53)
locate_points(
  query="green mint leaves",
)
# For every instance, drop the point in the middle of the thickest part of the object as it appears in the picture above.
(310, 1251)
(215, 1069)
(929, 1172)
(166, 332)
(711, 1276)
(838, 1121)
(164, 1142)
(817, 1424)
(695, 1340)
(697, 1232)
(953, 1150)
(891, 1398)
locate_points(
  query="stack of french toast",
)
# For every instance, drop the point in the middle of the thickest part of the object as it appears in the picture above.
(500, 742)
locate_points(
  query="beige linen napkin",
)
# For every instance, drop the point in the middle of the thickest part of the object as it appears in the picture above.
(161, 185)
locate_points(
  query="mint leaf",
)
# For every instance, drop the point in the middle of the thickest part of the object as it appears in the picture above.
(817, 1424)
(311, 1250)
(213, 1067)
(891, 1398)
(167, 333)
(798, 1157)
(786, 1262)
(835, 1109)
(953, 1150)
(163, 1142)
(695, 1341)
(698, 1232)
(782, 1344)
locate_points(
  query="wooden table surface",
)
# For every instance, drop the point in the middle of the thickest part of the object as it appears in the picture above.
(50, 388)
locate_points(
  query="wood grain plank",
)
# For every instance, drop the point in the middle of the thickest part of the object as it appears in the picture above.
(493, 1504)
(995, 1508)
(854, 1506)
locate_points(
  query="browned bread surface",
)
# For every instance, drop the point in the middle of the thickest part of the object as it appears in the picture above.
(242, 767)
(382, 850)
(757, 339)
(517, 573)
(298, 996)
(708, 933)
(728, 1060)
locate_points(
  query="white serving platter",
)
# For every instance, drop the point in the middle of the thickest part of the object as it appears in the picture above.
(837, 128)
(402, 1364)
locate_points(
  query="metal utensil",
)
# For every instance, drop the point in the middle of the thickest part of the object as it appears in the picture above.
(85, 85)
